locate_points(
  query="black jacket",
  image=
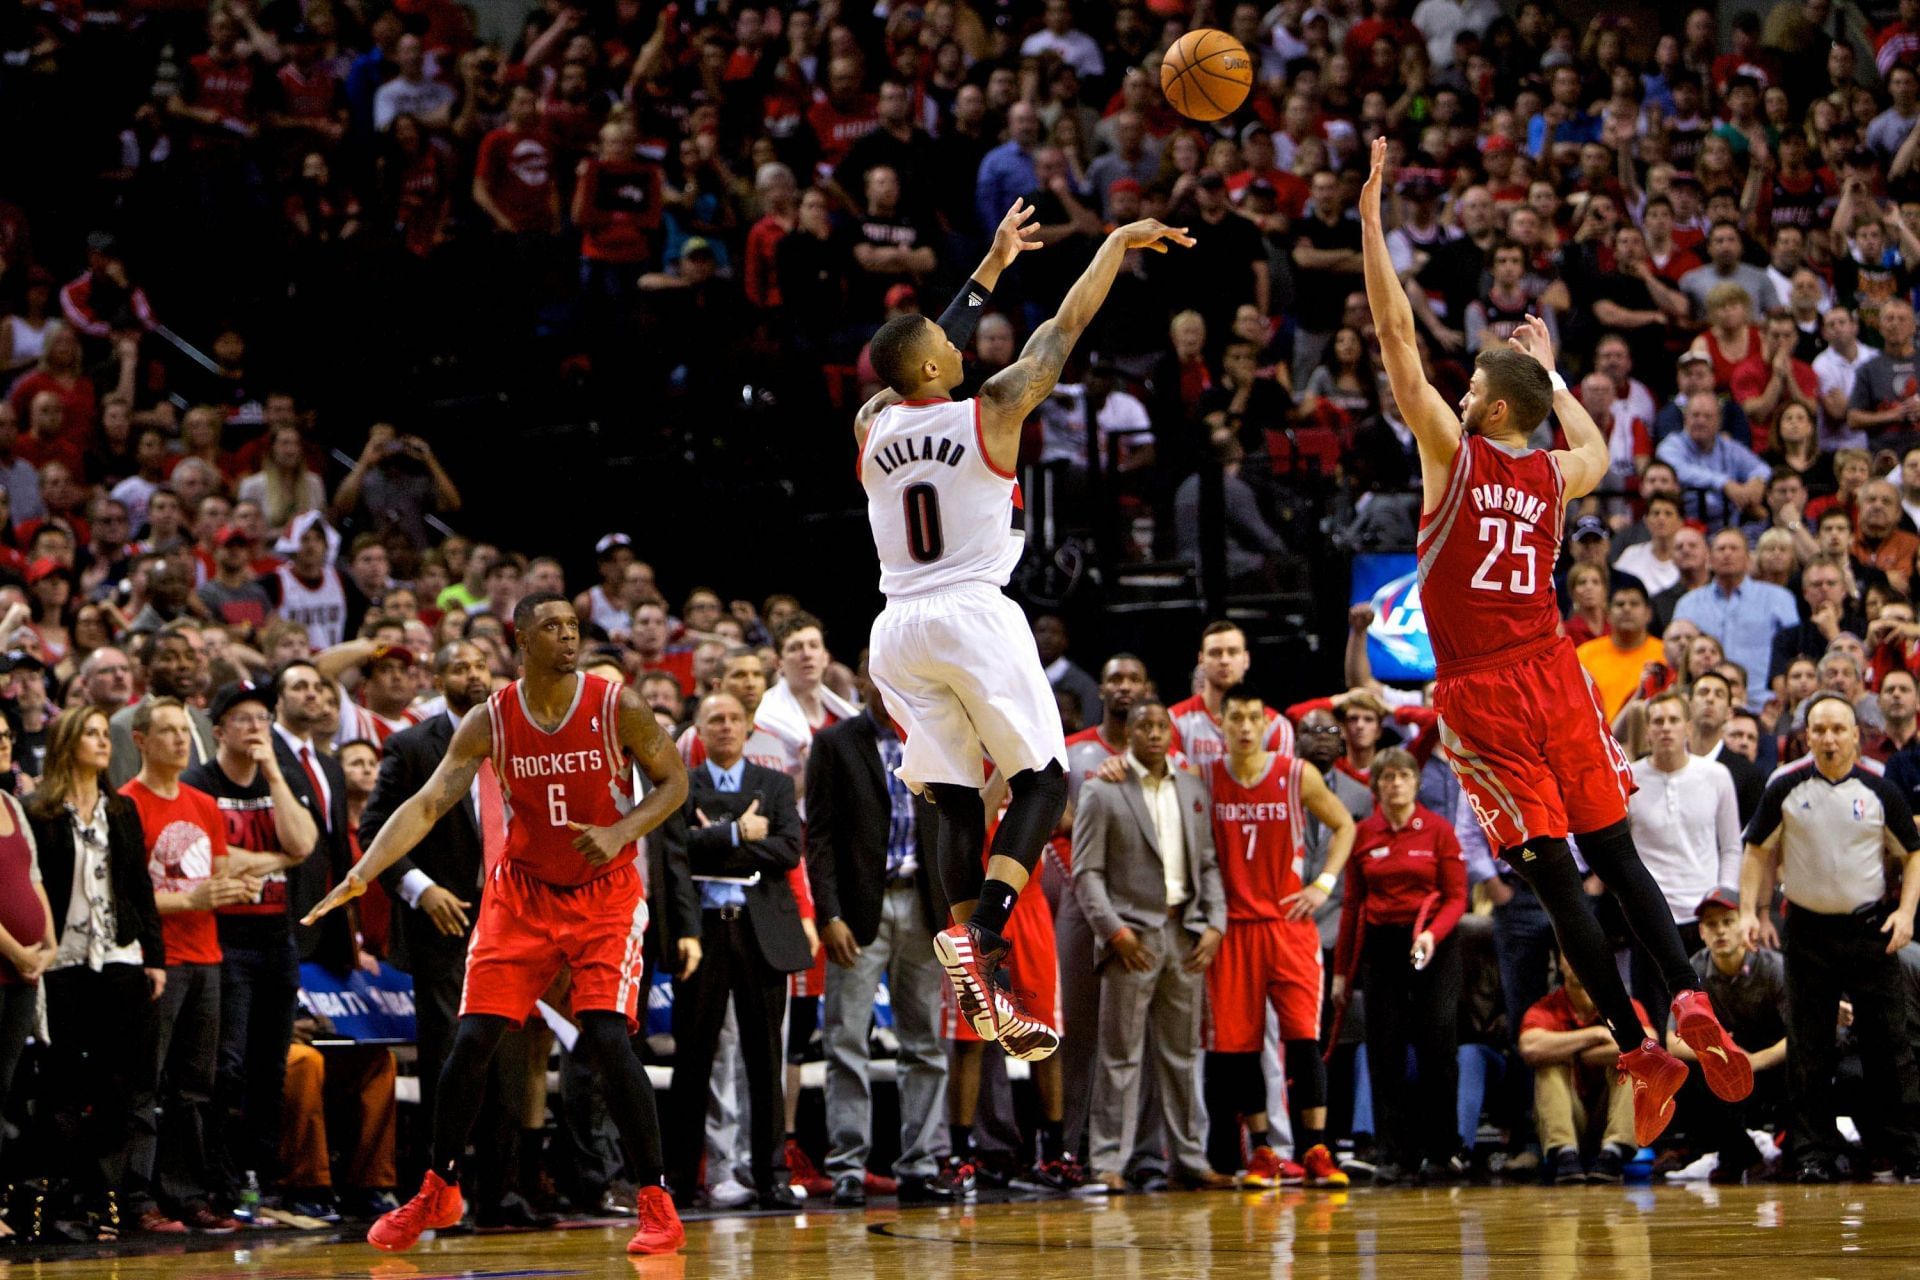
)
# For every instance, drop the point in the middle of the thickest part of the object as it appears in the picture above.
(331, 941)
(673, 899)
(451, 854)
(848, 814)
(711, 852)
(135, 917)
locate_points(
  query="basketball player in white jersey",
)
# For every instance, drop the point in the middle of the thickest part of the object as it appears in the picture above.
(954, 658)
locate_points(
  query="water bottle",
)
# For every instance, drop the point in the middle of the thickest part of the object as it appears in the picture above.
(249, 1207)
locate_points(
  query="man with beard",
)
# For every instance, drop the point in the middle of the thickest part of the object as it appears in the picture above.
(174, 670)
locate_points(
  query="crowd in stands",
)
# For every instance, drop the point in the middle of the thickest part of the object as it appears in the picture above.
(212, 630)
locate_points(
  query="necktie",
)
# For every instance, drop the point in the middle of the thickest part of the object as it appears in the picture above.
(493, 816)
(319, 788)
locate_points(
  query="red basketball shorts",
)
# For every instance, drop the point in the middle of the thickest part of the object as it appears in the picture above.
(1532, 749)
(1262, 963)
(530, 930)
(1033, 965)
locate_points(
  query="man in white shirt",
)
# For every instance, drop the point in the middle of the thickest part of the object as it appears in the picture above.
(1652, 561)
(1910, 485)
(1075, 48)
(1687, 827)
(412, 92)
(1836, 368)
(1442, 21)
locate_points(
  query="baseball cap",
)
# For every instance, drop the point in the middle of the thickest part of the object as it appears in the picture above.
(21, 660)
(696, 245)
(1589, 527)
(46, 567)
(232, 535)
(1211, 180)
(1251, 128)
(1119, 185)
(902, 295)
(1499, 142)
(1692, 357)
(1718, 896)
(382, 652)
(229, 696)
(1684, 178)
(611, 543)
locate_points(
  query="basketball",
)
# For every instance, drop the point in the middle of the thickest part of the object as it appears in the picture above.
(1206, 74)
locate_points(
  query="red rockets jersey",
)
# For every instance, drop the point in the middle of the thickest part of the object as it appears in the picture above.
(577, 773)
(1258, 836)
(1487, 554)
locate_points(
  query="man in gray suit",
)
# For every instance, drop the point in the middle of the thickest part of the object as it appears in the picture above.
(1145, 875)
(176, 667)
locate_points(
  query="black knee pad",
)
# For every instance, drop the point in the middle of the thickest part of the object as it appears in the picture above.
(1037, 798)
(603, 1033)
(1306, 1073)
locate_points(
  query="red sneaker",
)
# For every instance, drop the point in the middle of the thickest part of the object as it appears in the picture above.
(437, 1206)
(1725, 1064)
(1321, 1171)
(970, 966)
(879, 1184)
(660, 1230)
(1263, 1169)
(802, 1175)
(1023, 1035)
(1657, 1075)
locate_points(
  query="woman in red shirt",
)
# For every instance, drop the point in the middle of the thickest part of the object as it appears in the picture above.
(1406, 889)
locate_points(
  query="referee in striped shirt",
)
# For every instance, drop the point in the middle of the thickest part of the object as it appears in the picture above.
(1825, 827)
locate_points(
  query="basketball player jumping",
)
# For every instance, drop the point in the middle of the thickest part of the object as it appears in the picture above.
(954, 658)
(1520, 722)
(565, 893)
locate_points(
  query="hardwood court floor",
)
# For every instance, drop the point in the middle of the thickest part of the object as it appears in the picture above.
(1509, 1233)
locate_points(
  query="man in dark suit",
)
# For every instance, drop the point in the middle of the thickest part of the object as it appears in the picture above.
(743, 836)
(874, 896)
(321, 788)
(439, 882)
(1709, 707)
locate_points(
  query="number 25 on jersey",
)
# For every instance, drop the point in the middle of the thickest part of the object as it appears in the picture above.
(1499, 534)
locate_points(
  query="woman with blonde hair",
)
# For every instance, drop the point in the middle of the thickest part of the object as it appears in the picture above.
(283, 486)
(1730, 336)
(108, 966)
(1774, 558)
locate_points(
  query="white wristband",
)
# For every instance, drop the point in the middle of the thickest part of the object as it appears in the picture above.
(1325, 883)
(1559, 383)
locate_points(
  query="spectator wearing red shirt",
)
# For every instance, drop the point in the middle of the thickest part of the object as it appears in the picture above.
(649, 643)
(309, 100)
(842, 114)
(779, 195)
(60, 371)
(513, 175)
(1572, 1053)
(1405, 891)
(187, 860)
(219, 94)
(1899, 40)
(1770, 379)
(92, 300)
(616, 205)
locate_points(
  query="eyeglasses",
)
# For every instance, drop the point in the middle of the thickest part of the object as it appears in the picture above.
(1321, 728)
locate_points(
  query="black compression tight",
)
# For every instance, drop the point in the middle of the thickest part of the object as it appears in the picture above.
(603, 1045)
(960, 843)
(1610, 853)
(1548, 867)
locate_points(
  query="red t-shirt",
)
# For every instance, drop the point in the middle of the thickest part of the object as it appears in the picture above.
(1556, 1013)
(1395, 875)
(185, 837)
(517, 170)
(677, 663)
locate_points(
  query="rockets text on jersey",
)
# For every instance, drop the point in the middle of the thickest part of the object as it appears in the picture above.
(1259, 836)
(577, 772)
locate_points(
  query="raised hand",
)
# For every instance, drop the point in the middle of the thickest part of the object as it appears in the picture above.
(1010, 237)
(1151, 233)
(1532, 339)
(1376, 177)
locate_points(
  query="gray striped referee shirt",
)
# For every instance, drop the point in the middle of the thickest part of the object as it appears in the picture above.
(1833, 836)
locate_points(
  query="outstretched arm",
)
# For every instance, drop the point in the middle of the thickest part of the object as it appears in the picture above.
(410, 823)
(1583, 463)
(1432, 419)
(1017, 390)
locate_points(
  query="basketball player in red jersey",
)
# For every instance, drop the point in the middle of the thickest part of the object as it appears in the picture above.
(1519, 720)
(1270, 954)
(953, 657)
(564, 895)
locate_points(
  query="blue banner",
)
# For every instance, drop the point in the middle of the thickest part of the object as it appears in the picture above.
(360, 1005)
(1397, 643)
(659, 1016)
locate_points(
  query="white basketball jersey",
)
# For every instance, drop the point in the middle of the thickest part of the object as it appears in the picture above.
(942, 515)
(322, 610)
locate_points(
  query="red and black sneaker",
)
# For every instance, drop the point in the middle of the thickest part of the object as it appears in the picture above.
(436, 1207)
(660, 1230)
(1657, 1075)
(970, 961)
(803, 1175)
(1725, 1064)
(1023, 1035)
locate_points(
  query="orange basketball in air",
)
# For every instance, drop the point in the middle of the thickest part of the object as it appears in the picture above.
(1206, 75)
